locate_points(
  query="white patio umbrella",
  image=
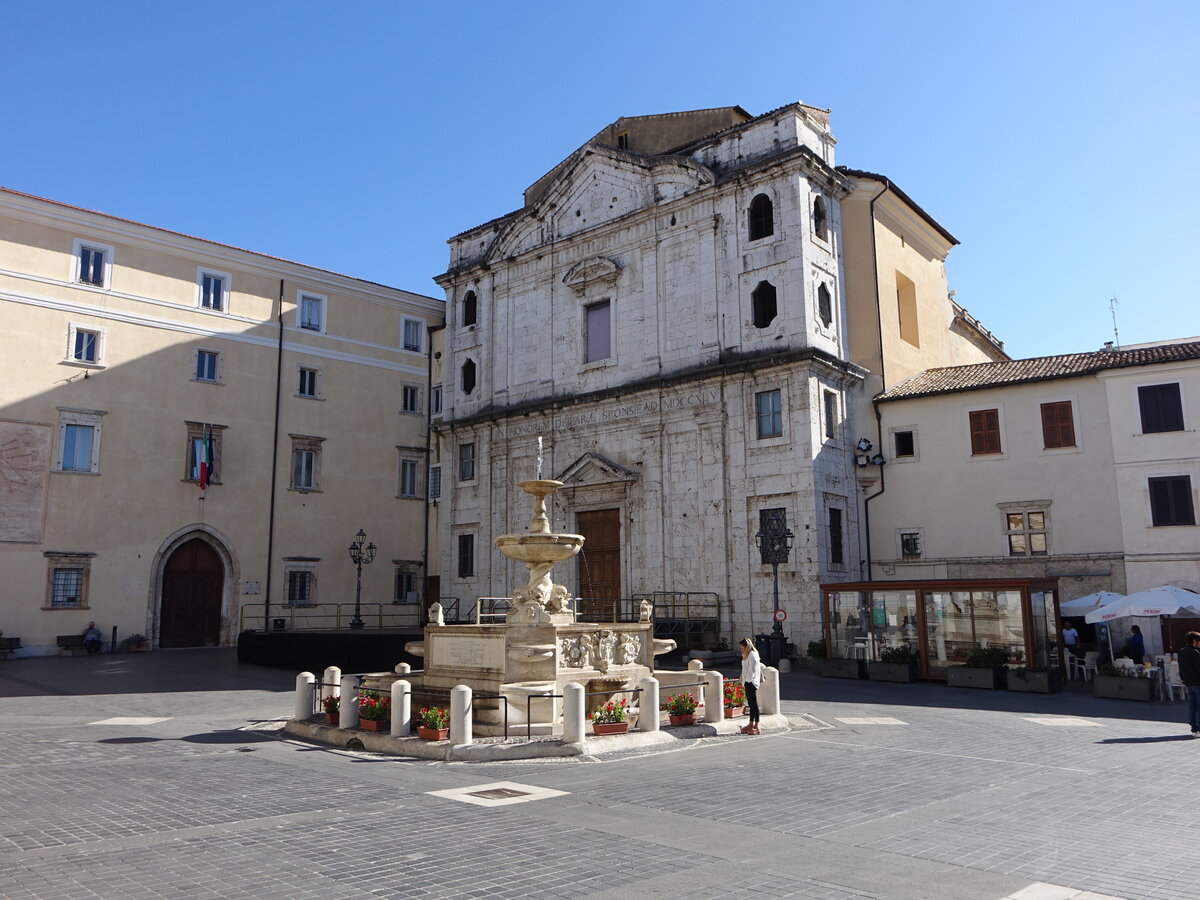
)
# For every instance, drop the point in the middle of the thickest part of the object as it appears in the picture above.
(1082, 605)
(1160, 601)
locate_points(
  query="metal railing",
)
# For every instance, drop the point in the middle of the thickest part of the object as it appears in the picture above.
(329, 616)
(609, 609)
(685, 605)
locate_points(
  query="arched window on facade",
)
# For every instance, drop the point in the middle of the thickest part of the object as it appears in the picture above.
(468, 376)
(762, 303)
(820, 226)
(469, 308)
(762, 217)
(824, 306)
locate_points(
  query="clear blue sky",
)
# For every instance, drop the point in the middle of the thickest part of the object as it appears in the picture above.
(1057, 140)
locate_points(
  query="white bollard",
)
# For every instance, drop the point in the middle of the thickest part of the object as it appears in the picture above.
(403, 669)
(573, 701)
(331, 682)
(695, 665)
(303, 708)
(768, 692)
(648, 704)
(714, 701)
(401, 708)
(348, 717)
(460, 715)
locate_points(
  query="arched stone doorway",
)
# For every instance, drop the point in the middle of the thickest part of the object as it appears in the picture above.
(193, 581)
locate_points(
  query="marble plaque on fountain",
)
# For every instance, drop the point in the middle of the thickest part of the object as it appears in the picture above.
(450, 651)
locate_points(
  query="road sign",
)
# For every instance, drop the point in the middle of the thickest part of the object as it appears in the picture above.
(780, 615)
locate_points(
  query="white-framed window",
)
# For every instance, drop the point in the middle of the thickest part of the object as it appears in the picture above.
(410, 470)
(306, 462)
(1027, 527)
(597, 331)
(300, 580)
(212, 289)
(411, 337)
(435, 400)
(406, 582)
(78, 440)
(768, 413)
(204, 442)
(85, 345)
(904, 444)
(67, 578)
(91, 263)
(410, 399)
(207, 366)
(466, 462)
(308, 382)
(310, 311)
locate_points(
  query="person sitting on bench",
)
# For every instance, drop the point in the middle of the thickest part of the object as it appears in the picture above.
(92, 639)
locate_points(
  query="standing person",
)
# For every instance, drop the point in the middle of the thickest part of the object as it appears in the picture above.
(751, 678)
(1071, 639)
(1189, 674)
(92, 639)
(1135, 646)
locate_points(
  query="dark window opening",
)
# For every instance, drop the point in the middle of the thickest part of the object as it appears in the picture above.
(762, 217)
(1161, 408)
(910, 544)
(469, 308)
(906, 443)
(763, 305)
(831, 414)
(466, 555)
(468, 376)
(836, 554)
(820, 227)
(1171, 501)
(824, 306)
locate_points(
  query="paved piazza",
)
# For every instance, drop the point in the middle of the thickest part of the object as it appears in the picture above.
(142, 776)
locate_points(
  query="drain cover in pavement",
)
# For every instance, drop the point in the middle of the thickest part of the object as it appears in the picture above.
(499, 793)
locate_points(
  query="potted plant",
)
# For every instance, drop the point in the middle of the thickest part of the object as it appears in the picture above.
(833, 666)
(735, 699)
(138, 643)
(1114, 684)
(984, 668)
(894, 664)
(1032, 679)
(374, 711)
(433, 723)
(609, 718)
(681, 709)
(332, 706)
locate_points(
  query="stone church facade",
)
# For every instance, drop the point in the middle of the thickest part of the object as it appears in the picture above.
(666, 313)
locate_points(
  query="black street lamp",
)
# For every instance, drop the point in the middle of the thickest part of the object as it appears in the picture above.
(360, 556)
(774, 542)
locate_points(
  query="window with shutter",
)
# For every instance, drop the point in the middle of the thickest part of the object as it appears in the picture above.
(1171, 501)
(1058, 426)
(985, 431)
(1160, 407)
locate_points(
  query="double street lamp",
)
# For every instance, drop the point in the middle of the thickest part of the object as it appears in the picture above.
(360, 556)
(774, 542)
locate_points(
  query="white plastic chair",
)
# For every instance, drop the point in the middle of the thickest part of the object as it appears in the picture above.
(1087, 666)
(1173, 682)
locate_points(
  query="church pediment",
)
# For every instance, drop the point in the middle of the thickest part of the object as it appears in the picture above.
(599, 270)
(592, 469)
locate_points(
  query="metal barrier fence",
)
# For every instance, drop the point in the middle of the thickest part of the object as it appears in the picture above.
(329, 616)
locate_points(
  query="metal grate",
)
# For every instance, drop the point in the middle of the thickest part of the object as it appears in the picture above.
(498, 794)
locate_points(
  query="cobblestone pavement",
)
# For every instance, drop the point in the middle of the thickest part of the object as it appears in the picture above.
(882, 791)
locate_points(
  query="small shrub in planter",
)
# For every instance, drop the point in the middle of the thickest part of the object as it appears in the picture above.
(1033, 679)
(894, 664)
(836, 667)
(816, 649)
(984, 668)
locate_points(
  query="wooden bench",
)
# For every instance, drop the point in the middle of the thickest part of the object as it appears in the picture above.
(8, 645)
(72, 642)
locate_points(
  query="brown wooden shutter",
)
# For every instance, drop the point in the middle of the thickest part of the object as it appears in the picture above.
(1058, 428)
(985, 431)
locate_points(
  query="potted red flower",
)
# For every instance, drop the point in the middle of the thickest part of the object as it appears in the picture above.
(332, 706)
(433, 723)
(681, 709)
(735, 699)
(374, 711)
(609, 718)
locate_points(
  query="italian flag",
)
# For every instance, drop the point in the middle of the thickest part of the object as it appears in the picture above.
(204, 458)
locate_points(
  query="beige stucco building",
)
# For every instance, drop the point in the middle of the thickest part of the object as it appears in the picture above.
(1082, 466)
(687, 310)
(129, 351)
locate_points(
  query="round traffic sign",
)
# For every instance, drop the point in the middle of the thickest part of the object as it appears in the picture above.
(780, 615)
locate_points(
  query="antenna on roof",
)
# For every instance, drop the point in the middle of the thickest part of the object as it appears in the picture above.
(1112, 307)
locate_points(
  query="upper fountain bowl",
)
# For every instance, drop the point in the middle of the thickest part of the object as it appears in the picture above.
(532, 547)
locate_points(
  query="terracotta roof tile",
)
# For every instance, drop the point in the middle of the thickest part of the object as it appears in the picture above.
(952, 379)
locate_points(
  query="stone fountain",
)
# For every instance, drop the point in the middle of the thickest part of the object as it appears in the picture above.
(540, 647)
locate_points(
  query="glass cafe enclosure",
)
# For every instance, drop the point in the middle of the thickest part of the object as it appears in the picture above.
(942, 621)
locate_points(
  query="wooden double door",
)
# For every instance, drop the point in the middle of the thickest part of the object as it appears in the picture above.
(600, 559)
(190, 612)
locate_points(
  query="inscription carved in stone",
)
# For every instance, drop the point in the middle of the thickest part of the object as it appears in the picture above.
(24, 464)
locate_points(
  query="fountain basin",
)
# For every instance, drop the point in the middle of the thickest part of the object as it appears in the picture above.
(539, 548)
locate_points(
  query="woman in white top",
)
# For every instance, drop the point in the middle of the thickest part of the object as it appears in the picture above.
(751, 678)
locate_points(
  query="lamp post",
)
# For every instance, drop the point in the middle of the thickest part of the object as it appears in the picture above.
(360, 556)
(774, 542)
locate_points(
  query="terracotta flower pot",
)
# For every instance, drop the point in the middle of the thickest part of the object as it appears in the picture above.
(732, 712)
(432, 734)
(686, 719)
(373, 724)
(610, 727)
(332, 718)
